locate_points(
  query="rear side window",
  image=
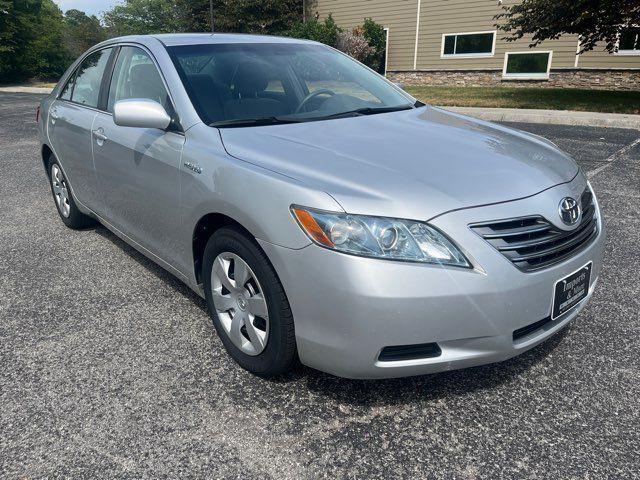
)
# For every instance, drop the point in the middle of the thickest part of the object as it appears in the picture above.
(136, 76)
(89, 78)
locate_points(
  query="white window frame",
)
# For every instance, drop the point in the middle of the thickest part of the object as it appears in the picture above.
(386, 50)
(628, 52)
(527, 76)
(468, 55)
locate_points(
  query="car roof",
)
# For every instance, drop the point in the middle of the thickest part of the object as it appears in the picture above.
(173, 39)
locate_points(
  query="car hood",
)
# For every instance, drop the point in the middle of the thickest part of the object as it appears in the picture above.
(413, 164)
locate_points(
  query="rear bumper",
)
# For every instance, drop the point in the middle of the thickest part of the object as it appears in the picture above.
(347, 308)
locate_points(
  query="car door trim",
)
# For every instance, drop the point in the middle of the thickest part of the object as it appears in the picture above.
(107, 76)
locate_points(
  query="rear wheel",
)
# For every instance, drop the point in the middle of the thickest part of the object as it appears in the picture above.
(65, 204)
(247, 304)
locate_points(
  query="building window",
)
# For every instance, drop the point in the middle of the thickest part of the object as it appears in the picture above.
(629, 41)
(527, 65)
(474, 44)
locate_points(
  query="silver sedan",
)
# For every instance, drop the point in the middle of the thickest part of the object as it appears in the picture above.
(326, 215)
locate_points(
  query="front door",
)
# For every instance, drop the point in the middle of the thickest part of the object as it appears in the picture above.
(138, 168)
(70, 120)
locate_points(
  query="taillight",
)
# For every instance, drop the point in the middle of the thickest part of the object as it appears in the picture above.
(38, 114)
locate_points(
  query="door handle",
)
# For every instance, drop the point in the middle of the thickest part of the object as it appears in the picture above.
(100, 136)
(54, 115)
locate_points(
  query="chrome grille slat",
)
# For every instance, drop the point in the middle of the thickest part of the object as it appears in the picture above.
(557, 248)
(564, 238)
(528, 243)
(541, 263)
(532, 243)
(491, 232)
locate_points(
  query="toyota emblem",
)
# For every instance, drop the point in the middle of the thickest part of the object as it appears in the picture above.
(569, 211)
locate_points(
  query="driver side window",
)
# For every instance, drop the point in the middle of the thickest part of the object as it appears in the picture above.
(136, 76)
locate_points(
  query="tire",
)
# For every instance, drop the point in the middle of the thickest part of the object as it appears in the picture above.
(279, 350)
(66, 206)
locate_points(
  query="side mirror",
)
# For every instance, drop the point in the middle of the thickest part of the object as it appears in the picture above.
(141, 113)
(399, 85)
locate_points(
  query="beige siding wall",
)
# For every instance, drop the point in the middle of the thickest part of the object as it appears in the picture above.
(398, 15)
(440, 17)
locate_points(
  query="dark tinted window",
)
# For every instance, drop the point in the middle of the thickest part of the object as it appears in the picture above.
(136, 76)
(89, 78)
(527, 63)
(630, 39)
(449, 44)
(469, 44)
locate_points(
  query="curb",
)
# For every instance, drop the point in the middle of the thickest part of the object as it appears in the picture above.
(554, 117)
(44, 90)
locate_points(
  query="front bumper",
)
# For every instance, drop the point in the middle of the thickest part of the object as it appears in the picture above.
(348, 308)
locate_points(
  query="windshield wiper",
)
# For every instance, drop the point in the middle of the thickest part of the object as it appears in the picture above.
(368, 111)
(252, 122)
(256, 122)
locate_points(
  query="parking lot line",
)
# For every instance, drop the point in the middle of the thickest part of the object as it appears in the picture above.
(619, 154)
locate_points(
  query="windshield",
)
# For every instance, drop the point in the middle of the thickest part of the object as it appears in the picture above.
(243, 84)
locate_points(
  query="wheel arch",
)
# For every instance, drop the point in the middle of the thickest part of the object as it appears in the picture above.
(45, 153)
(206, 226)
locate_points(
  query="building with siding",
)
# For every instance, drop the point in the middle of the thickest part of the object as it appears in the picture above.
(454, 42)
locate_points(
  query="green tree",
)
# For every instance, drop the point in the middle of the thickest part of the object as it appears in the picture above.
(244, 16)
(31, 40)
(326, 32)
(262, 16)
(594, 20)
(194, 14)
(81, 32)
(140, 17)
(7, 32)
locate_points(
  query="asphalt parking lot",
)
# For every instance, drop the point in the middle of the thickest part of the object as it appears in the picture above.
(109, 366)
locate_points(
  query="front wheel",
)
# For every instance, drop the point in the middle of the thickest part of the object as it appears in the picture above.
(247, 304)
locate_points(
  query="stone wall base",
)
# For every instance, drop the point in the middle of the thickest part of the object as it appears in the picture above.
(590, 79)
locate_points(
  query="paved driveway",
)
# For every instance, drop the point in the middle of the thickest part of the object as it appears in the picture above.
(109, 367)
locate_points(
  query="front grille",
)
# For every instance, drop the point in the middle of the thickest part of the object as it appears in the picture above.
(532, 243)
(409, 352)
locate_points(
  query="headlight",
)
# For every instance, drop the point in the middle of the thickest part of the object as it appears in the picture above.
(378, 237)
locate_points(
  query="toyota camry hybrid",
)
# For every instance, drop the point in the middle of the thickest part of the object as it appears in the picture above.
(324, 214)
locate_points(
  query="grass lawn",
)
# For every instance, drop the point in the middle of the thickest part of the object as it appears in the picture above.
(544, 98)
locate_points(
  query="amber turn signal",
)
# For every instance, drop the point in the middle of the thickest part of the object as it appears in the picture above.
(311, 227)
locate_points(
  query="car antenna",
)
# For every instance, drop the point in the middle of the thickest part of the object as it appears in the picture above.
(213, 30)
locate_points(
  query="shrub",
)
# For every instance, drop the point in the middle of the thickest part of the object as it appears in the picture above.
(377, 38)
(325, 32)
(354, 44)
(365, 43)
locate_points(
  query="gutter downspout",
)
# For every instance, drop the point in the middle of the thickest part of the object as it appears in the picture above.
(415, 51)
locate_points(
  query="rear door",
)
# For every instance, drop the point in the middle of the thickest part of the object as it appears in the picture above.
(138, 168)
(70, 119)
